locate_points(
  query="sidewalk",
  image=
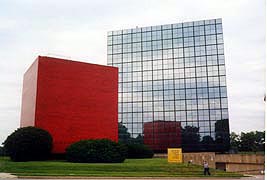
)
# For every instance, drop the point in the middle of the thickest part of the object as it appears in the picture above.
(6, 175)
(261, 177)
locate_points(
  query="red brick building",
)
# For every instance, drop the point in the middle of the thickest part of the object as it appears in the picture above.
(71, 100)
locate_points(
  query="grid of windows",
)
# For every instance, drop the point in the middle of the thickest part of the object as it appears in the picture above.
(171, 72)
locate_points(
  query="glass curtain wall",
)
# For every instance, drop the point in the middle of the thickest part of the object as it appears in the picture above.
(172, 85)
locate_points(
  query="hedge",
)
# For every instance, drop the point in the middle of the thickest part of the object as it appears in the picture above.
(96, 151)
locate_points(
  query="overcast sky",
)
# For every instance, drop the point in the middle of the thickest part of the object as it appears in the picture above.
(78, 30)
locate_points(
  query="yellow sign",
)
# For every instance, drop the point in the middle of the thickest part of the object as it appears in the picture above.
(175, 155)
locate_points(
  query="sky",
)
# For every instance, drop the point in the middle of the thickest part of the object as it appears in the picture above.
(78, 30)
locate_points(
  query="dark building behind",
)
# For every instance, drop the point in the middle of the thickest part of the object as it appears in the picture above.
(160, 135)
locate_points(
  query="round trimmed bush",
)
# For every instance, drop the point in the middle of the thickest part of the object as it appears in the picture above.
(136, 151)
(96, 151)
(28, 144)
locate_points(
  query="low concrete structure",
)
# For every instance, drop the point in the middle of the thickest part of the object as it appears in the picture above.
(242, 163)
(248, 163)
(198, 158)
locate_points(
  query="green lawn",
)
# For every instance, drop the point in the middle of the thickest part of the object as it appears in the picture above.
(252, 152)
(156, 167)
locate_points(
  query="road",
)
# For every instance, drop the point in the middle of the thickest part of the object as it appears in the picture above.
(261, 177)
(7, 176)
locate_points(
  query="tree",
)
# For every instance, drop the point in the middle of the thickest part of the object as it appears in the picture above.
(190, 135)
(190, 138)
(28, 144)
(136, 147)
(252, 141)
(124, 135)
(2, 151)
(222, 136)
(207, 140)
(138, 140)
(260, 140)
(234, 141)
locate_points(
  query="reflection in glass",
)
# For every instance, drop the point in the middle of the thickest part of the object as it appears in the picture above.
(172, 76)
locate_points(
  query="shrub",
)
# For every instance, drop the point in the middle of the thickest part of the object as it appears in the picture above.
(28, 144)
(139, 151)
(2, 151)
(96, 151)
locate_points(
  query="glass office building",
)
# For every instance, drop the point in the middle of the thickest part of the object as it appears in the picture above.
(172, 73)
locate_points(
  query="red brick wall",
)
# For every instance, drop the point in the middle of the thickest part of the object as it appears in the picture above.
(76, 101)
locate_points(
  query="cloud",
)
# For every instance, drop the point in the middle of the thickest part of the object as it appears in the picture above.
(78, 30)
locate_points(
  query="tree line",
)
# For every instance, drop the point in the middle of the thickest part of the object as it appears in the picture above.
(253, 141)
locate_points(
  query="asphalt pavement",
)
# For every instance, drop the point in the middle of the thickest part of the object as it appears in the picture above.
(5, 176)
(210, 178)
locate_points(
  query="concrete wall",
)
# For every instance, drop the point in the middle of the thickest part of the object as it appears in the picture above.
(240, 158)
(243, 163)
(28, 105)
(245, 168)
(198, 158)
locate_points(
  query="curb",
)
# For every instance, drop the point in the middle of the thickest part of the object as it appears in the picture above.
(90, 177)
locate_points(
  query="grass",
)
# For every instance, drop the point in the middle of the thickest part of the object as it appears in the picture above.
(156, 167)
(252, 152)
